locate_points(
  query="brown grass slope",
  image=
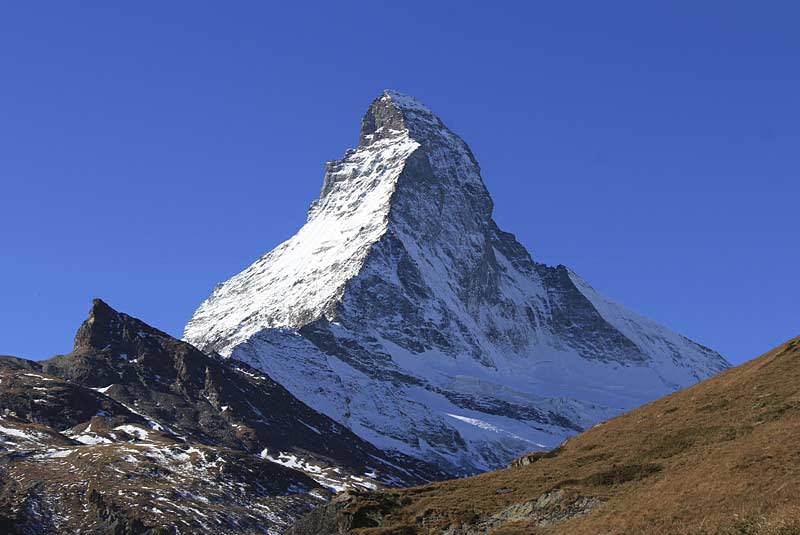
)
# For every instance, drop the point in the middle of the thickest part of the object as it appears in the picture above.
(721, 457)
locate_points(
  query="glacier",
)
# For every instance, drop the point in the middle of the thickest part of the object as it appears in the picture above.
(402, 311)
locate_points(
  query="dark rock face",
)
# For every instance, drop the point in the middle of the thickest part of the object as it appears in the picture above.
(137, 432)
(49, 401)
(329, 519)
(572, 317)
(346, 512)
(380, 122)
(104, 329)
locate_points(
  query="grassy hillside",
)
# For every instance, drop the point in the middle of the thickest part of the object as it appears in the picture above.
(721, 457)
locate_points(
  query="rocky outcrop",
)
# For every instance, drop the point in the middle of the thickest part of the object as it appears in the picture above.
(347, 511)
(351, 511)
(218, 401)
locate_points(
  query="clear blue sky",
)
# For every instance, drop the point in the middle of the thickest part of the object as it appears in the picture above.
(151, 150)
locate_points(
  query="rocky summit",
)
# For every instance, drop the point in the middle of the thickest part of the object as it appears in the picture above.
(401, 311)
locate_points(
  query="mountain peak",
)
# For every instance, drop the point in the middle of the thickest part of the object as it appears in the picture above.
(105, 329)
(401, 276)
(404, 102)
(409, 173)
(393, 114)
(100, 308)
(99, 328)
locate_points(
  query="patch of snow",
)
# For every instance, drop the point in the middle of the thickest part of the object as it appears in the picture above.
(91, 439)
(134, 431)
(18, 433)
(317, 431)
(54, 454)
(43, 378)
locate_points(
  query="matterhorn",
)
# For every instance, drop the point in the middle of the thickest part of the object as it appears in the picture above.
(403, 312)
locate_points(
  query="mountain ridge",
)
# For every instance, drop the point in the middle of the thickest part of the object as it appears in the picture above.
(717, 458)
(138, 432)
(421, 314)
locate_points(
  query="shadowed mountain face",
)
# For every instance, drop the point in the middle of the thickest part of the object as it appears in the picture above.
(402, 311)
(138, 432)
(718, 458)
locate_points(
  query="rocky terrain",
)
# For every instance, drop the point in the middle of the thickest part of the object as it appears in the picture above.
(718, 458)
(137, 432)
(403, 312)
(399, 338)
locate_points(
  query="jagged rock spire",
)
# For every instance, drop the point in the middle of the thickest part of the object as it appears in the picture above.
(99, 330)
(393, 113)
(383, 120)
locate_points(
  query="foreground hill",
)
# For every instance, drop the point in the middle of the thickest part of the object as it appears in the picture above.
(401, 310)
(721, 457)
(137, 432)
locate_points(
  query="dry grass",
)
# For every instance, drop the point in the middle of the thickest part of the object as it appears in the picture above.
(719, 458)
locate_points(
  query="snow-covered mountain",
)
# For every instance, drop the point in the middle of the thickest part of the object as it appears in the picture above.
(402, 311)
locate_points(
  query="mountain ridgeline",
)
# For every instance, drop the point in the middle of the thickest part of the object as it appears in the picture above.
(137, 432)
(403, 312)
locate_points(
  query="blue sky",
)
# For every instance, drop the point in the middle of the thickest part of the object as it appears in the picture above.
(151, 150)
